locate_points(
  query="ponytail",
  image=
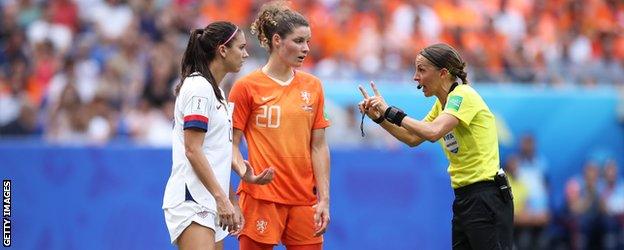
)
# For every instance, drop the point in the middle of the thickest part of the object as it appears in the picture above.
(202, 49)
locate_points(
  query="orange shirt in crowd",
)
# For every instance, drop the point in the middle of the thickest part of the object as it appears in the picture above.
(233, 11)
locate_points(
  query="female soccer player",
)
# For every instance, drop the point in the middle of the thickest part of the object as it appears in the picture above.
(197, 208)
(482, 210)
(280, 111)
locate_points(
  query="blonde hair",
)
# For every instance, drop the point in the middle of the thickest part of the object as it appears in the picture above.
(276, 17)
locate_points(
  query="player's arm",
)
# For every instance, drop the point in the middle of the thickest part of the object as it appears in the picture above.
(237, 158)
(238, 214)
(193, 140)
(320, 165)
(242, 167)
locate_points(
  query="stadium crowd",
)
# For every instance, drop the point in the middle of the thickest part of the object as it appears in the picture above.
(92, 70)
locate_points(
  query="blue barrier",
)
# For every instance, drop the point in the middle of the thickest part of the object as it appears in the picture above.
(110, 198)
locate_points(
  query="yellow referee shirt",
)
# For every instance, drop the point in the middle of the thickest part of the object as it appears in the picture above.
(472, 146)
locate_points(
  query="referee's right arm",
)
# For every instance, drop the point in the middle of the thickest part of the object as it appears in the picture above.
(402, 134)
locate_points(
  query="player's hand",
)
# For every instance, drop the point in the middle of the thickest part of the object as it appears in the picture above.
(264, 177)
(239, 219)
(227, 214)
(321, 217)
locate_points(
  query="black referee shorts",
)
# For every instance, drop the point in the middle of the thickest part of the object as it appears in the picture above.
(482, 218)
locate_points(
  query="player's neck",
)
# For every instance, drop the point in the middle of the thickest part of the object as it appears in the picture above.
(218, 71)
(278, 70)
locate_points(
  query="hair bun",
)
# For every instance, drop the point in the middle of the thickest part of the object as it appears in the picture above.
(199, 32)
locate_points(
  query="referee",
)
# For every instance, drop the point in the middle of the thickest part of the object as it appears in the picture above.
(482, 209)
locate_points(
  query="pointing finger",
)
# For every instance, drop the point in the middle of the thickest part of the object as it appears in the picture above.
(375, 90)
(363, 91)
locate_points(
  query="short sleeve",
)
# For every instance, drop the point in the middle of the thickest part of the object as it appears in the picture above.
(433, 113)
(242, 105)
(321, 119)
(198, 100)
(461, 105)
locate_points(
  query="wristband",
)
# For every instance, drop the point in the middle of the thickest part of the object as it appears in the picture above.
(394, 115)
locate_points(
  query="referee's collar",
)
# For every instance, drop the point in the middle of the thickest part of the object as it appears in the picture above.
(453, 87)
(451, 90)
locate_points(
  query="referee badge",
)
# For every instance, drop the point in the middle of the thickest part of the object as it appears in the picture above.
(450, 142)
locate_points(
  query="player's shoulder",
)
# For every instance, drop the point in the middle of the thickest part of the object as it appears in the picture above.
(309, 81)
(196, 85)
(251, 78)
(307, 77)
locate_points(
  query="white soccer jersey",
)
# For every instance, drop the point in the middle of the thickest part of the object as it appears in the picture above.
(197, 106)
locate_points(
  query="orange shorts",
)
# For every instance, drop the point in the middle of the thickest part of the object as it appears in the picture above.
(269, 223)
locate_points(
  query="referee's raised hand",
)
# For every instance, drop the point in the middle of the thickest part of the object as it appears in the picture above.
(376, 101)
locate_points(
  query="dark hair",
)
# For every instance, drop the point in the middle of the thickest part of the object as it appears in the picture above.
(276, 18)
(202, 49)
(444, 56)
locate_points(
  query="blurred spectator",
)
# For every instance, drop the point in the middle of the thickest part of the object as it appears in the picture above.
(46, 63)
(13, 92)
(65, 12)
(111, 18)
(29, 12)
(583, 202)
(46, 28)
(25, 124)
(529, 226)
(612, 203)
(532, 172)
(73, 122)
(161, 74)
(510, 23)
(149, 125)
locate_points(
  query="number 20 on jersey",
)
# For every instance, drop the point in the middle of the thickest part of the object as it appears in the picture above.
(269, 117)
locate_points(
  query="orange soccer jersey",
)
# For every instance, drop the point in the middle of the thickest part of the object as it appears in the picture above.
(277, 122)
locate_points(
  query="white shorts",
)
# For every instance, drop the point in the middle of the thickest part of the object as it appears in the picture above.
(181, 216)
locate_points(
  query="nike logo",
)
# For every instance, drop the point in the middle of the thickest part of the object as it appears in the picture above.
(266, 98)
(218, 107)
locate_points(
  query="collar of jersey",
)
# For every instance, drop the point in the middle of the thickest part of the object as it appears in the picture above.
(278, 81)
